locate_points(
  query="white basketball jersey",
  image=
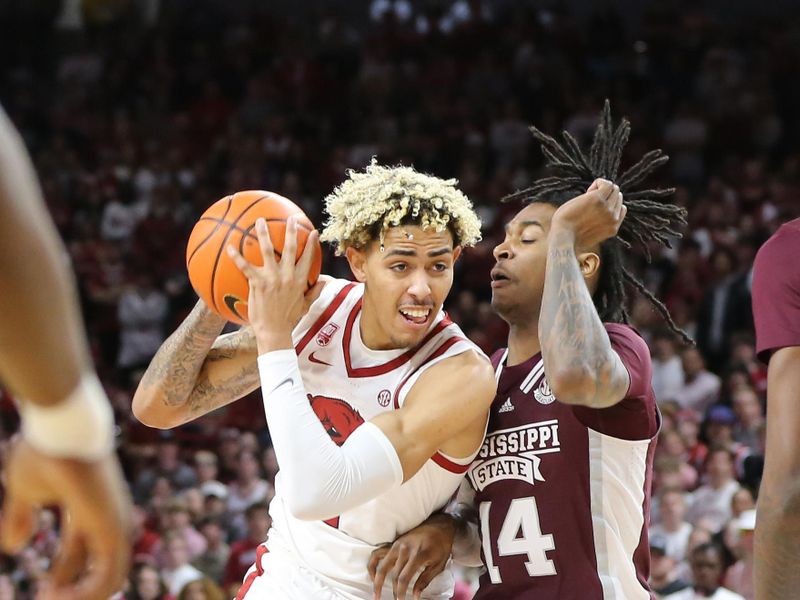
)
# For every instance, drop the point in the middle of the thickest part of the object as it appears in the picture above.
(347, 384)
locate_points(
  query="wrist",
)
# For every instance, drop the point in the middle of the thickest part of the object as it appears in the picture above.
(561, 234)
(269, 340)
(81, 426)
(446, 523)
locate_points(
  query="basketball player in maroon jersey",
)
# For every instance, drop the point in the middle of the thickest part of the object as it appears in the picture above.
(65, 455)
(776, 308)
(561, 486)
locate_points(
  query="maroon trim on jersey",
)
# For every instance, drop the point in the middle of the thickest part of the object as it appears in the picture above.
(392, 364)
(250, 579)
(323, 318)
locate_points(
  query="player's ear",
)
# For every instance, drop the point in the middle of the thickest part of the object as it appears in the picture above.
(589, 263)
(357, 258)
(456, 254)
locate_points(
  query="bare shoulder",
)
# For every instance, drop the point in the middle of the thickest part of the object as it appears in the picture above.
(471, 359)
(469, 374)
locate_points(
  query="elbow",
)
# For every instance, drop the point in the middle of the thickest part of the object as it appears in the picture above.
(575, 386)
(144, 408)
(305, 506)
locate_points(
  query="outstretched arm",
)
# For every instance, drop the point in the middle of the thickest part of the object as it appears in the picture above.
(581, 366)
(65, 455)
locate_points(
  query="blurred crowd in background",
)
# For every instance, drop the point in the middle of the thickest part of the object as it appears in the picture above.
(140, 114)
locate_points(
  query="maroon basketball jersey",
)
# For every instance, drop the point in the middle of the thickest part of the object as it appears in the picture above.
(563, 491)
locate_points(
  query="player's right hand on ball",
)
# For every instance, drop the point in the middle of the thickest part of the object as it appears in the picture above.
(94, 556)
(276, 299)
(425, 548)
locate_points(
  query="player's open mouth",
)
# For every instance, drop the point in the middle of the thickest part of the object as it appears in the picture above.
(417, 316)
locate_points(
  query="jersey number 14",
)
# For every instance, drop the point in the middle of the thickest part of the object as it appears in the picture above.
(523, 519)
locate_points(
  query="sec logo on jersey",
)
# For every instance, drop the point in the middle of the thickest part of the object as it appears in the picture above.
(384, 397)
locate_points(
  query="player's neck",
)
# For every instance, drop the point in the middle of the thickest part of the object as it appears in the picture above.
(373, 336)
(523, 342)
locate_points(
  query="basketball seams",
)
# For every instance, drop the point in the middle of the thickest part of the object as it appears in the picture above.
(222, 247)
(213, 231)
(230, 220)
(222, 221)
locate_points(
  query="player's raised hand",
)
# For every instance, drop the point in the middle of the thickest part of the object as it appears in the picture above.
(424, 550)
(277, 288)
(592, 217)
(94, 556)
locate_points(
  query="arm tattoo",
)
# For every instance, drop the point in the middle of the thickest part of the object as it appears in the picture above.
(570, 331)
(176, 365)
(207, 395)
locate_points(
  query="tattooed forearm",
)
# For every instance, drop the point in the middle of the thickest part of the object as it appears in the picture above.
(207, 395)
(176, 365)
(571, 335)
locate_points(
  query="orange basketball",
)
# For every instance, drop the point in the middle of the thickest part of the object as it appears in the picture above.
(232, 220)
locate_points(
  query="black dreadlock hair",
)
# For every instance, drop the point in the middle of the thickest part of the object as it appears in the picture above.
(647, 219)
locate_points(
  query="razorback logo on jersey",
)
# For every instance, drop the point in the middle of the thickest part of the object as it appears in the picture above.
(514, 454)
(337, 416)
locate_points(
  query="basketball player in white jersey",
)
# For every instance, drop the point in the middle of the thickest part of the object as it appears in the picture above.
(65, 454)
(376, 402)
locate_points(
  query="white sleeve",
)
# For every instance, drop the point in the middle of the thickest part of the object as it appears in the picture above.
(319, 479)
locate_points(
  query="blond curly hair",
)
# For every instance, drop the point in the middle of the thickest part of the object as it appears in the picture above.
(368, 203)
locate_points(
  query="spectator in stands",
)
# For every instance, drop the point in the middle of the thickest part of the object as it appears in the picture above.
(688, 424)
(739, 576)
(213, 560)
(206, 466)
(664, 577)
(168, 465)
(145, 583)
(177, 571)
(141, 313)
(146, 542)
(201, 589)
(749, 418)
(711, 503)
(673, 529)
(708, 566)
(178, 522)
(243, 551)
(667, 368)
(671, 443)
(248, 488)
(701, 387)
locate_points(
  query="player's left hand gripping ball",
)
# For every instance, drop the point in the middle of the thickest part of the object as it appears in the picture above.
(276, 295)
